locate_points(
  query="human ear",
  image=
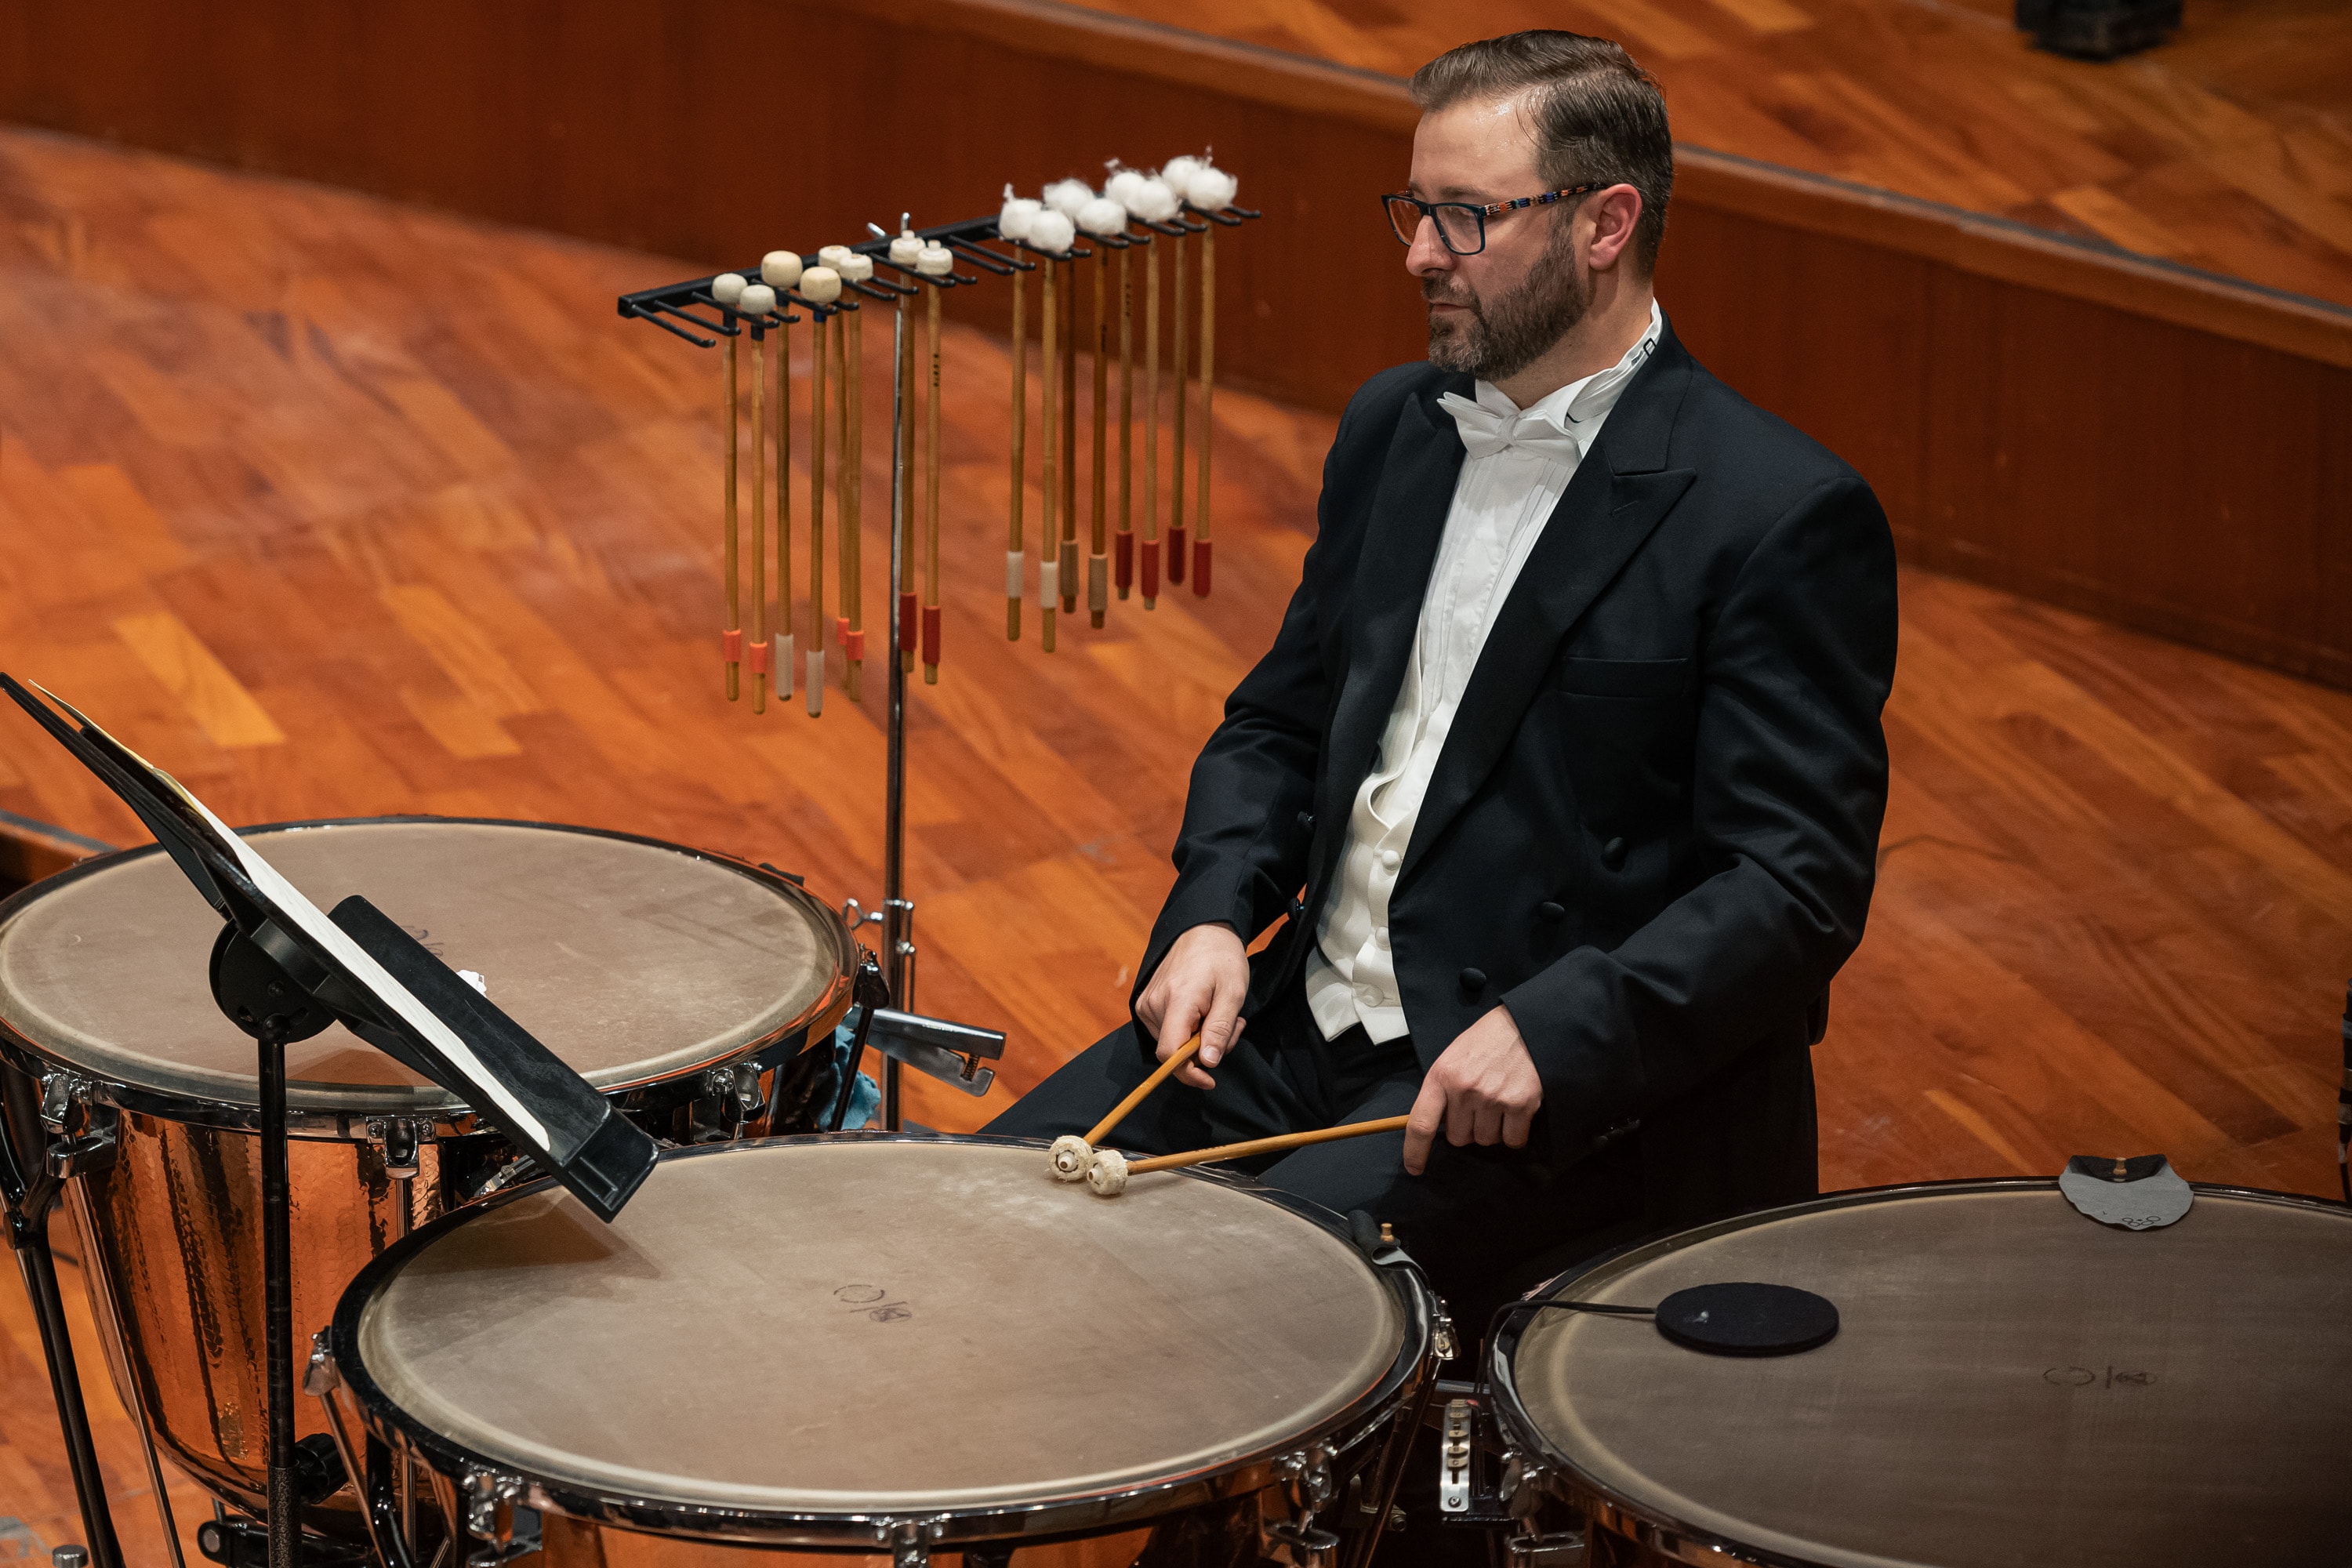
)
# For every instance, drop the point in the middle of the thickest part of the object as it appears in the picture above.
(1611, 212)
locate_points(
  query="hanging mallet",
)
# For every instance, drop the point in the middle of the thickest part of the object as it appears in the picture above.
(905, 251)
(728, 289)
(1211, 192)
(935, 262)
(1013, 223)
(780, 271)
(756, 301)
(821, 287)
(1103, 219)
(1125, 186)
(1108, 1175)
(1178, 172)
(1155, 204)
(1069, 197)
(854, 269)
(1051, 234)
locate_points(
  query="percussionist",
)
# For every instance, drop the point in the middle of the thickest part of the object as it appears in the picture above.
(1562, 780)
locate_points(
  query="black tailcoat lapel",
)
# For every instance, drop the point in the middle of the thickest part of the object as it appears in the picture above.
(1623, 490)
(1401, 539)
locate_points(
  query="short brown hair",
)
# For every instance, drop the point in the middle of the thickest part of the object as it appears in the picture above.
(1598, 118)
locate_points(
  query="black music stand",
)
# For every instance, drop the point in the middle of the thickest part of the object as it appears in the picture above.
(281, 971)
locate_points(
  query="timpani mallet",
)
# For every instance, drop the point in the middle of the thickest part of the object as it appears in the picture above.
(1155, 204)
(1051, 235)
(1069, 197)
(854, 269)
(1109, 1173)
(905, 251)
(780, 271)
(756, 301)
(728, 289)
(844, 467)
(936, 261)
(1101, 218)
(1013, 223)
(821, 287)
(1178, 172)
(1213, 191)
(1072, 1157)
(1123, 187)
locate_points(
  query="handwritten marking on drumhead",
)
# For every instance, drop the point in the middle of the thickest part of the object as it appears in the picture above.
(869, 1299)
(2084, 1377)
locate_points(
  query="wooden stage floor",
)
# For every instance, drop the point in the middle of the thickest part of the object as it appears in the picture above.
(2228, 149)
(336, 507)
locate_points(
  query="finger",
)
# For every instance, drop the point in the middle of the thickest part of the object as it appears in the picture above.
(1191, 1073)
(1421, 1125)
(1184, 1010)
(1224, 1021)
(1515, 1124)
(1461, 1118)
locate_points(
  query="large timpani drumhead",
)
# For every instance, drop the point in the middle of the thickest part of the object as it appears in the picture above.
(631, 960)
(872, 1325)
(2011, 1382)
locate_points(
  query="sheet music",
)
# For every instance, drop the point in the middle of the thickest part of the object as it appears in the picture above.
(287, 904)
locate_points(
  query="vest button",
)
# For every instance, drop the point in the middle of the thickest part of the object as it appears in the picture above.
(1547, 910)
(1473, 980)
(1612, 854)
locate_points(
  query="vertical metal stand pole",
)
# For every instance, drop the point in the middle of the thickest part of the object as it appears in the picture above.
(896, 928)
(277, 1300)
(30, 1193)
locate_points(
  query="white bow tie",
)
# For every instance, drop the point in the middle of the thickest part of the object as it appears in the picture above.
(1485, 432)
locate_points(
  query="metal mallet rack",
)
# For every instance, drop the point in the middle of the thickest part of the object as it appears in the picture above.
(690, 310)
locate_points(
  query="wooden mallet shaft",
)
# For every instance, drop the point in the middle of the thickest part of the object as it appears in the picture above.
(758, 517)
(853, 498)
(1182, 1054)
(1266, 1145)
(1020, 462)
(784, 627)
(729, 537)
(1123, 543)
(1151, 420)
(1049, 425)
(1208, 393)
(1184, 396)
(1098, 539)
(820, 340)
(932, 492)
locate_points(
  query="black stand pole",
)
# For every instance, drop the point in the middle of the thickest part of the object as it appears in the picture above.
(31, 1193)
(278, 1297)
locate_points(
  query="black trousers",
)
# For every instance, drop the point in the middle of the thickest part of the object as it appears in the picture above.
(1485, 1224)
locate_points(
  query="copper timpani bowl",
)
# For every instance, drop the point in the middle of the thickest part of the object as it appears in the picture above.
(890, 1343)
(641, 963)
(2011, 1382)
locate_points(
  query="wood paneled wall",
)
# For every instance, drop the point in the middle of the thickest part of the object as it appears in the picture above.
(2164, 447)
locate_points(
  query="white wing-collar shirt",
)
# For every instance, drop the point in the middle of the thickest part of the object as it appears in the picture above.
(1517, 465)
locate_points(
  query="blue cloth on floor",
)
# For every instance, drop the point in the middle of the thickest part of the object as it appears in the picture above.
(867, 1097)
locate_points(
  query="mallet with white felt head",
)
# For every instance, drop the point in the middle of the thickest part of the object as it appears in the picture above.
(728, 289)
(1072, 1157)
(1108, 1175)
(821, 287)
(1013, 223)
(1211, 190)
(934, 261)
(780, 271)
(1051, 234)
(1155, 204)
(1102, 219)
(756, 302)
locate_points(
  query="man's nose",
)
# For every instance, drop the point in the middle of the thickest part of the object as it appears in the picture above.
(1427, 256)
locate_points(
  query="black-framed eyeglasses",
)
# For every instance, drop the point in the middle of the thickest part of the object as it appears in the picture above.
(1462, 225)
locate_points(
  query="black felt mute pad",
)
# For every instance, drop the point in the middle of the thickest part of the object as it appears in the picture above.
(1746, 1318)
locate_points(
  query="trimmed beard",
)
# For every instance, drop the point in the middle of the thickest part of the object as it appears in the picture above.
(1498, 339)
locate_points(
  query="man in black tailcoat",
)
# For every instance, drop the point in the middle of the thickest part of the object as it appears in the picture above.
(1564, 774)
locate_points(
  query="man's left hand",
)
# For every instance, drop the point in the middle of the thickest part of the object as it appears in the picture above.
(1483, 1088)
